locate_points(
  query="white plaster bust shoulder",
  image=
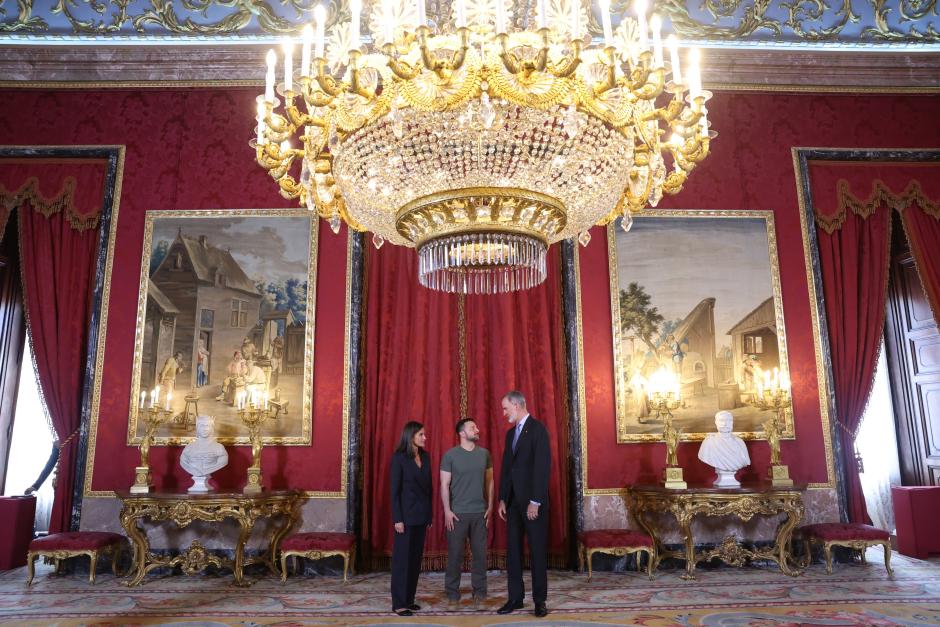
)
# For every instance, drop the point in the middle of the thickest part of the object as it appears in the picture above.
(204, 455)
(724, 451)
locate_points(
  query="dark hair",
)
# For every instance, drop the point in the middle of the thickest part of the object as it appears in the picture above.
(461, 423)
(406, 444)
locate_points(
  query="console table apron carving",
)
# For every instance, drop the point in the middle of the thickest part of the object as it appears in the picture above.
(744, 503)
(182, 509)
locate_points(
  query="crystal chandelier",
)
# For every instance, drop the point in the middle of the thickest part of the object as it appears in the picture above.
(485, 141)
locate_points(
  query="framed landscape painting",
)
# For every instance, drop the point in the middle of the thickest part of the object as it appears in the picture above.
(225, 311)
(697, 293)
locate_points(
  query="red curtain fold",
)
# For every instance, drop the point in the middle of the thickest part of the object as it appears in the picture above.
(922, 227)
(422, 352)
(854, 261)
(516, 342)
(57, 261)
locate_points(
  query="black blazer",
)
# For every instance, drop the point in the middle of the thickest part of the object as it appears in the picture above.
(411, 489)
(524, 476)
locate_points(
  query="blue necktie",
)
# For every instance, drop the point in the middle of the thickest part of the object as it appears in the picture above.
(515, 438)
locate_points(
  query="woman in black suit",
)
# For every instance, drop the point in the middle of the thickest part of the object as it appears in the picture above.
(411, 515)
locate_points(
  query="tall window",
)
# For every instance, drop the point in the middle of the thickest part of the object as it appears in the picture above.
(31, 443)
(239, 313)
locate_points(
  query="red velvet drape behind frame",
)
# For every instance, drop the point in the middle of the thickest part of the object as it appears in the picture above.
(57, 262)
(411, 368)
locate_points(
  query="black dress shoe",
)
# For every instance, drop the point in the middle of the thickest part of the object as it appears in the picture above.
(414, 607)
(509, 607)
(404, 612)
(540, 610)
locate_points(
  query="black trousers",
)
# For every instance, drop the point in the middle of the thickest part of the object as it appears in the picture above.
(536, 531)
(407, 551)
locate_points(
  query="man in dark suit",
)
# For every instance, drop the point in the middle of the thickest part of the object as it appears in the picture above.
(523, 501)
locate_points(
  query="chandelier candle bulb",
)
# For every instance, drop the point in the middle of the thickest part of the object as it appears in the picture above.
(319, 15)
(642, 30)
(673, 44)
(355, 9)
(306, 37)
(461, 14)
(388, 26)
(656, 24)
(543, 14)
(605, 17)
(269, 77)
(500, 17)
(143, 400)
(695, 79)
(422, 13)
(288, 65)
(261, 124)
(575, 19)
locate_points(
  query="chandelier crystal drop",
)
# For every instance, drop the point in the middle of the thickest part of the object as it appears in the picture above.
(485, 142)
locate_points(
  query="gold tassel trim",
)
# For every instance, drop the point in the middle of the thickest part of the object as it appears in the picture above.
(64, 200)
(881, 196)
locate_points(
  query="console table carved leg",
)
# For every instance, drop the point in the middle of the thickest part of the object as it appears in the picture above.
(138, 570)
(783, 540)
(685, 528)
(288, 519)
(245, 524)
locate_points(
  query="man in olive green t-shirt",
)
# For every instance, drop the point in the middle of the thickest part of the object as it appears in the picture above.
(467, 493)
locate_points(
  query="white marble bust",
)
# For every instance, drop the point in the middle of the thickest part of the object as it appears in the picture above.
(204, 455)
(724, 451)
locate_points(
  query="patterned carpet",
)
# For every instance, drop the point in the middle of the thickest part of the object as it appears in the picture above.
(855, 594)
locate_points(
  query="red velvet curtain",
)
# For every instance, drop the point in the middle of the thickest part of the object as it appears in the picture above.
(921, 223)
(854, 257)
(430, 357)
(58, 243)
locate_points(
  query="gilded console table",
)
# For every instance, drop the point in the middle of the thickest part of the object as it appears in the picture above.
(184, 508)
(744, 503)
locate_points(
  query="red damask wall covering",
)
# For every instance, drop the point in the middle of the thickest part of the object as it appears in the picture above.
(188, 149)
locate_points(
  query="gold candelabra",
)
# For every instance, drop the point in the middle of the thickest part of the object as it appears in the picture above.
(254, 410)
(153, 416)
(773, 394)
(663, 403)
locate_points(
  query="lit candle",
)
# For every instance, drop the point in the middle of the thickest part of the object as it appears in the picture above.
(422, 13)
(169, 399)
(576, 19)
(500, 17)
(355, 7)
(269, 77)
(388, 27)
(266, 399)
(640, 6)
(261, 125)
(673, 44)
(319, 15)
(307, 38)
(156, 392)
(543, 14)
(461, 14)
(784, 382)
(288, 65)
(143, 399)
(703, 123)
(657, 24)
(605, 18)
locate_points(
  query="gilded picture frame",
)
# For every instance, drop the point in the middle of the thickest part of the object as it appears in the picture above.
(226, 309)
(697, 293)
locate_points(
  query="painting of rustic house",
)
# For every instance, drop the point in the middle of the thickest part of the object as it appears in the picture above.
(697, 294)
(226, 310)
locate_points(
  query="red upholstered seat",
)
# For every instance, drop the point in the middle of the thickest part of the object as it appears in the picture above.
(614, 538)
(835, 531)
(76, 541)
(318, 541)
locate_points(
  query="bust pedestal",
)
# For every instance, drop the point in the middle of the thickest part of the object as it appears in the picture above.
(726, 479)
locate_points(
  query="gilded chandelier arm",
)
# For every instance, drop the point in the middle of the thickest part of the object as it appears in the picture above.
(567, 68)
(326, 82)
(611, 80)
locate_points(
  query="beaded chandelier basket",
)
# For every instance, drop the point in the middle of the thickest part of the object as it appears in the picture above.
(481, 145)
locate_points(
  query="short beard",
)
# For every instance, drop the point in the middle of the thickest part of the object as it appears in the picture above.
(472, 438)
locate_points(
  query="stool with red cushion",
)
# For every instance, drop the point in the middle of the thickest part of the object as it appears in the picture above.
(59, 546)
(855, 536)
(317, 545)
(617, 542)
